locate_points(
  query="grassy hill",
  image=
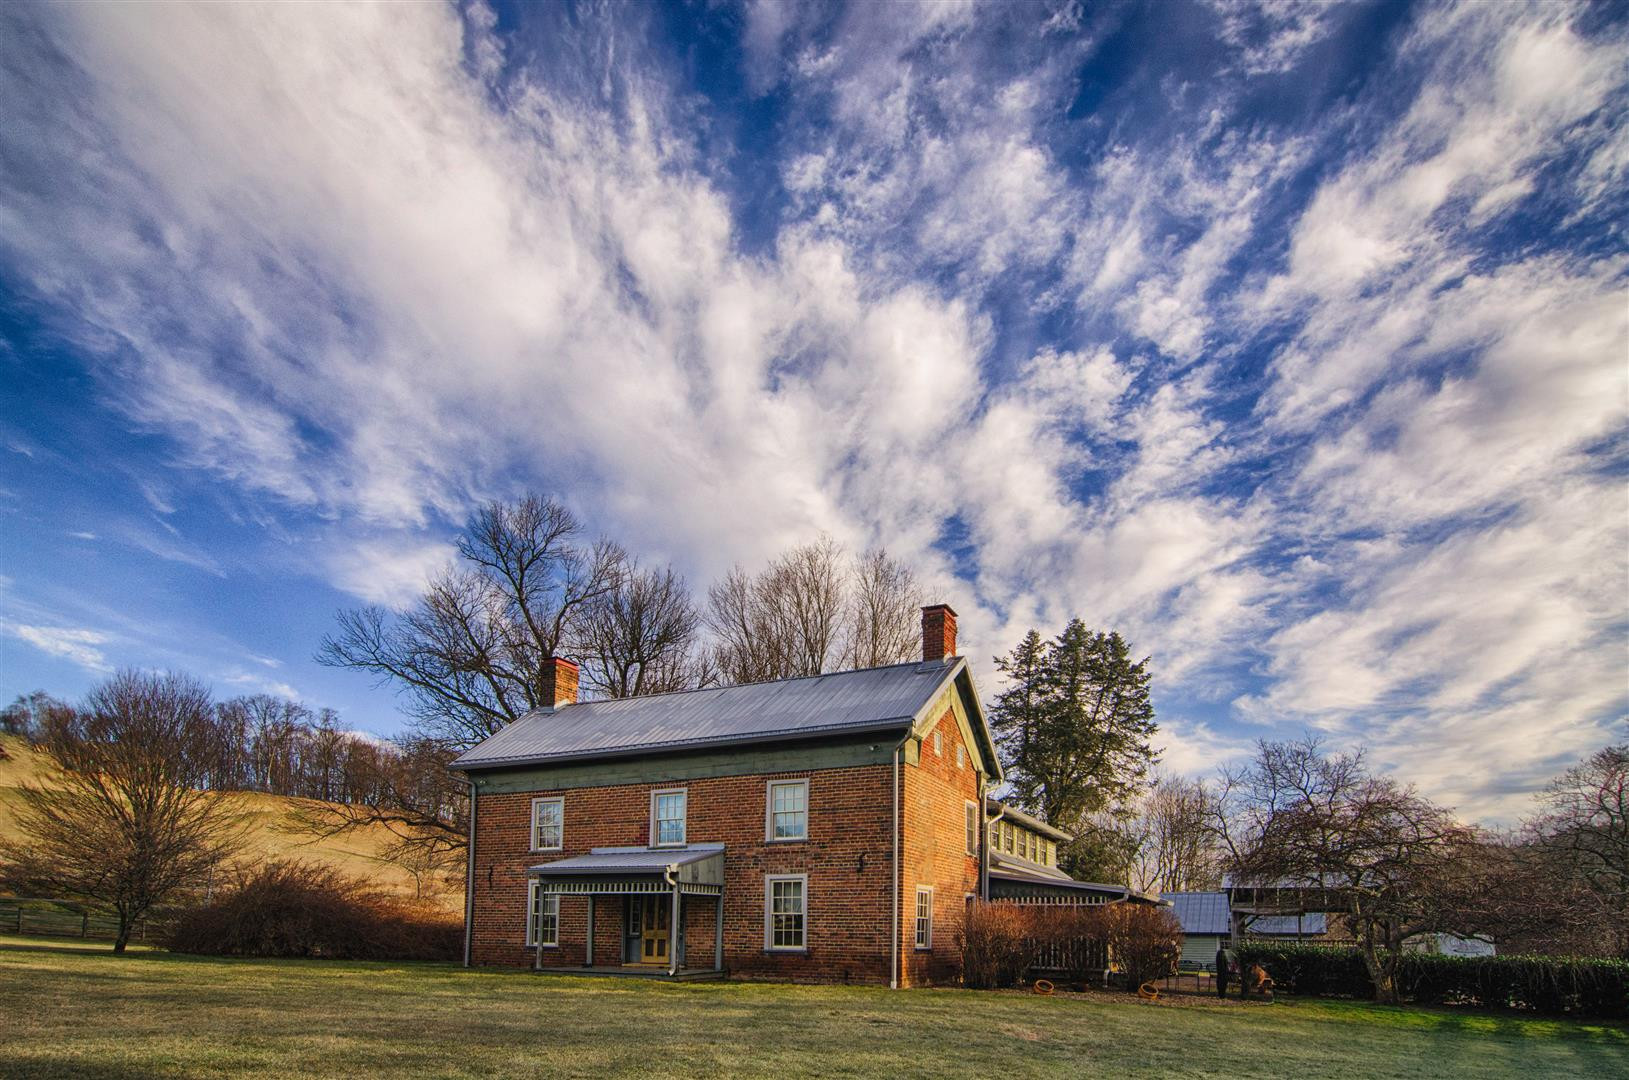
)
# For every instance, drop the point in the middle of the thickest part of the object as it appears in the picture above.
(272, 829)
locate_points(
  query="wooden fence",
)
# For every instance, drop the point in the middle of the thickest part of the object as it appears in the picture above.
(60, 918)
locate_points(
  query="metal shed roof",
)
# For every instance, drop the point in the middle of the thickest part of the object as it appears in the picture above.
(868, 699)
(1201, 912)
(1313, 922)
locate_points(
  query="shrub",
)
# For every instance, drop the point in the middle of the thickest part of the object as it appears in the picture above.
(1002, 941)
(297, 909)
(1145, 941)
(1550, 985)
(996, 944)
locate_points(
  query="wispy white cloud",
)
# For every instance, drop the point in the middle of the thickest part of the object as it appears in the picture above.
(75, 644)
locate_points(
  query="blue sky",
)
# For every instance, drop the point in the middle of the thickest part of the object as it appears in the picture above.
(1292, 340)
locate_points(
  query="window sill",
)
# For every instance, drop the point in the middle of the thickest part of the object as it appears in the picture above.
(544, 850)
(785, 951)
(786, 839)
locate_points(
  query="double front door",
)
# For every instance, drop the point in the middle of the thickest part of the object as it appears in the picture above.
(649, 918)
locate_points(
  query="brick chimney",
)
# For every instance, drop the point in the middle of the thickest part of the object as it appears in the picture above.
(938, 632)
(559, 677)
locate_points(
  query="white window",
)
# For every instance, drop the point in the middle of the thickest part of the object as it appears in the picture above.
(548, 824)
(786, 921)
(924, 916)
(961, 757)
(542, 916)
(972, 809)
(667, 812)
(938, 743)
(786, 810)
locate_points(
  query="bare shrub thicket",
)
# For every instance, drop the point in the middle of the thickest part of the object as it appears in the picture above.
(1004, 942)
(299, 909)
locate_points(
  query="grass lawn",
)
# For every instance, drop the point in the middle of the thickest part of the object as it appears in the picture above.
(81, 1012)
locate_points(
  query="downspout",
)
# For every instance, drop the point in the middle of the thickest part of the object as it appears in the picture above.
(893, 953)
(673, 922)
(984, 839)
(987, 832)
(469, 880)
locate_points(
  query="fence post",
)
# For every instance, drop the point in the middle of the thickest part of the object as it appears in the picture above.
(84, 924)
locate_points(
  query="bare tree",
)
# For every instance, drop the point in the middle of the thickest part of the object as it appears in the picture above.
(470, 654)
(128, 823)
(32, 714)
(1176, 848)
(412, 796)
(803, 593)
(811, 609)
(640, 637)
(1299, 820)
(884, 616)
(1575, 852)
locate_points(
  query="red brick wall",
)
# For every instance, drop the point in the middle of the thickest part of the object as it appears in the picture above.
(847, 859)
(848, 899)
(937, 789)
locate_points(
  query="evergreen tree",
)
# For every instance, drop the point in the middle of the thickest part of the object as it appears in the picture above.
(1073, 726)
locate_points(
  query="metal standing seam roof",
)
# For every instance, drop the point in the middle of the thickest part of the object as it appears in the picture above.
(1201, 912)
(1001, 862)
(993, 806)
(871, 698)
(1313, 922)
(628, 860)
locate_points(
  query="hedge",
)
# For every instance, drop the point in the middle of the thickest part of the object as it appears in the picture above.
(1544, 984)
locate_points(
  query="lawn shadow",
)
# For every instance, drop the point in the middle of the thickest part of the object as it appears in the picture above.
(68, 1067)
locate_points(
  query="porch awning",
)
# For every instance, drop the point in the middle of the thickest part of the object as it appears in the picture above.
(695, 870)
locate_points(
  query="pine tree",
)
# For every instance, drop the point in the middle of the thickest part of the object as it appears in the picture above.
(1074, 726)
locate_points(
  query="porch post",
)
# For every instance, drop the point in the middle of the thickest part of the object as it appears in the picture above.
(588, 954)
(673, 936)
(718, 933)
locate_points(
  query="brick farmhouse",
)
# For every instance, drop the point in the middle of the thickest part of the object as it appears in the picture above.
(830, 828)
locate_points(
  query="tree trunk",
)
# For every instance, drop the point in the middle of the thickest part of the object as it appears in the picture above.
(1382, 971)
(127, 923)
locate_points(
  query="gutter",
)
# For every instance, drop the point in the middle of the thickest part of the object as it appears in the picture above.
(517, 760)
(469, 880)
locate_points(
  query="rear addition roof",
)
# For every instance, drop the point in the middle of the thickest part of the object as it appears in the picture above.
(994, 806)
(871, 699)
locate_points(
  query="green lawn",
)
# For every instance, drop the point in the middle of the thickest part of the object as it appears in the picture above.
(81, 1012)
